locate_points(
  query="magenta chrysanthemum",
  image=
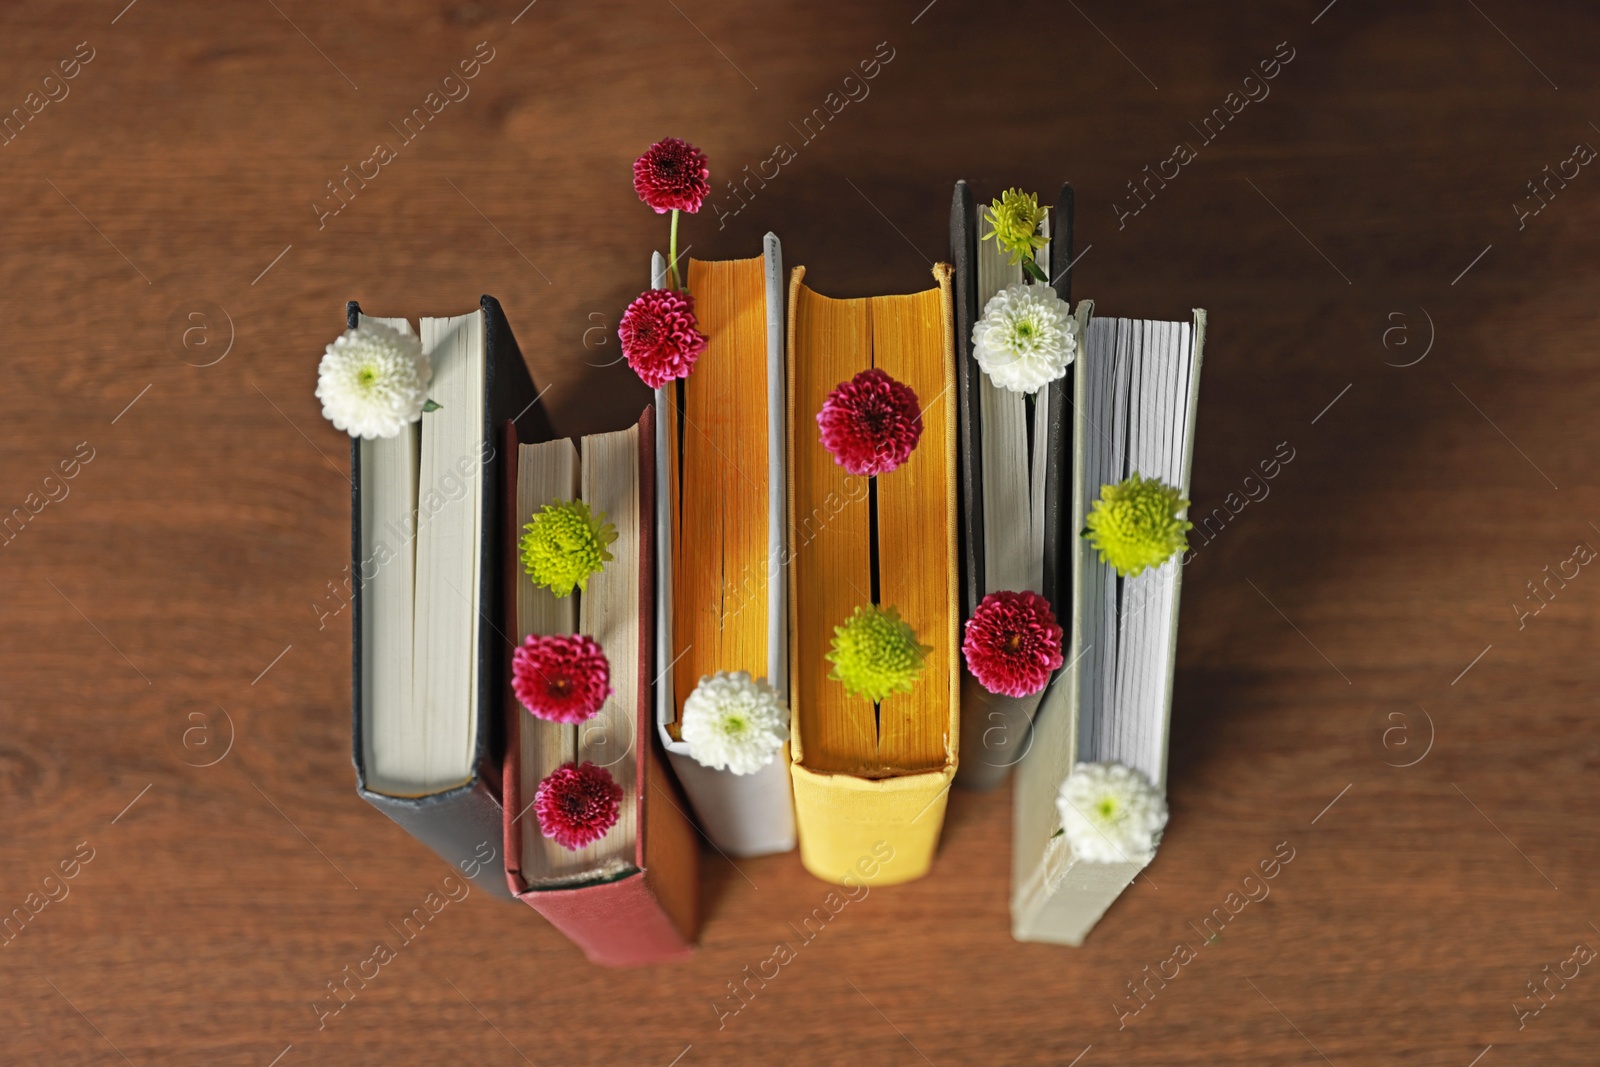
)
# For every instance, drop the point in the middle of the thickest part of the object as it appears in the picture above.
(660, 337)
(1012, 643)
(576, 804)
(871, 423)
(672, 176)
(565, 678)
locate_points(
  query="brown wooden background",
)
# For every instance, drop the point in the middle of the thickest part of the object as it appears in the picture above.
(194, 549)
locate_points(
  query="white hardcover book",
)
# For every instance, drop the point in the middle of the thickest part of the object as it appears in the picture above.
(1136, 394)
(741, 814)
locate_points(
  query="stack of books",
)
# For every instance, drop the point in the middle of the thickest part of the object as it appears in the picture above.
(744, 557)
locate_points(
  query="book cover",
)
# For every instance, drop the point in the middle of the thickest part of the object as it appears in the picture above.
(721, 537)
(872, 776)
(460, 824)
(644, 908)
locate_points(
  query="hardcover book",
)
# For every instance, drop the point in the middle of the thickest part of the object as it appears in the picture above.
(629, 897)
(1015, 457)
(721, 532)
(869, 775)
(425, 543)
(1135, 398)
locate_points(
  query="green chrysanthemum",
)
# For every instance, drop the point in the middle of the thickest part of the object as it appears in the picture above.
(1135, 524)
(1016, 217)
(564, 545)
(876, 653)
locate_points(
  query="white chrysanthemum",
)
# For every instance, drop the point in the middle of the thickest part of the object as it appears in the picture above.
(1024, 340)
(373, 381)
(1111, 813)
(734, 721)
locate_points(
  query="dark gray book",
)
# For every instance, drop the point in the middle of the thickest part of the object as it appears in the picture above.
(429, 660)
(1006, 522)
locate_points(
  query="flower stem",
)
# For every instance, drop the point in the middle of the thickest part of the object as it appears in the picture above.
(1032, 269)
(672, 251)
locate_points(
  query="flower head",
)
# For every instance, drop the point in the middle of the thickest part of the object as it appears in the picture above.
(373, 381)
(1012, 643)
(1111, 813)
(876, 653)
(672, 176)
(565, 678)
(734, 721)
(871, 423)
(1016, 217)
(1135, 524)
(576, 804)
(660, 336)
(564, 545)
(1024, 340)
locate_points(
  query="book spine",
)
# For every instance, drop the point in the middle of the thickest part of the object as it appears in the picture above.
(852, 826)
(462, 827)
(742, 814)
(996, 733)
(1066, 897)
(617, 924)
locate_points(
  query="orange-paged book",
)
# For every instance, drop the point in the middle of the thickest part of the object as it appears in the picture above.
(871, 778)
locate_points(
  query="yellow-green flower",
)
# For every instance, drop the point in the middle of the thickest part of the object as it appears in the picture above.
(1135, 524)
(564, 545)
(1016, 217)
(876, 653)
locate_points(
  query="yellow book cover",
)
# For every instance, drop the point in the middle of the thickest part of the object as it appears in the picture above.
(870, 779)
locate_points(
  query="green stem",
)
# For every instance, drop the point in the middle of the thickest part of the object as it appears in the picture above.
(1033, 270)
(672, 252)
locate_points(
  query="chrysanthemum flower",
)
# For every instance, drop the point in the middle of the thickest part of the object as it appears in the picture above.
(734, 721)
(871, 423)
(564, 545)
(561, 678)
(1024, 340)
(1111, 813)
(576, 804)
(672, 175)
(1012, 643)
(373, 381)
(1016, 217)
(876, 653)
(660, 336)
(1135, 524)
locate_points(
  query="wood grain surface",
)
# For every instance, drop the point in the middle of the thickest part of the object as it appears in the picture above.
(1355, 676)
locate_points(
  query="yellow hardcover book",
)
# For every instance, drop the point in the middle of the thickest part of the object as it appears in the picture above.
(870, 780)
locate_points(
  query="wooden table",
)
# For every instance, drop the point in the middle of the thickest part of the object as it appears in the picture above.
(1377, 306)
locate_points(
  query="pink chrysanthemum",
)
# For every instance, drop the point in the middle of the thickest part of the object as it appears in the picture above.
(576, 804)
(672, 175)
(561, 679)
(871, 423)
(660, 337)
(1012, 643)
